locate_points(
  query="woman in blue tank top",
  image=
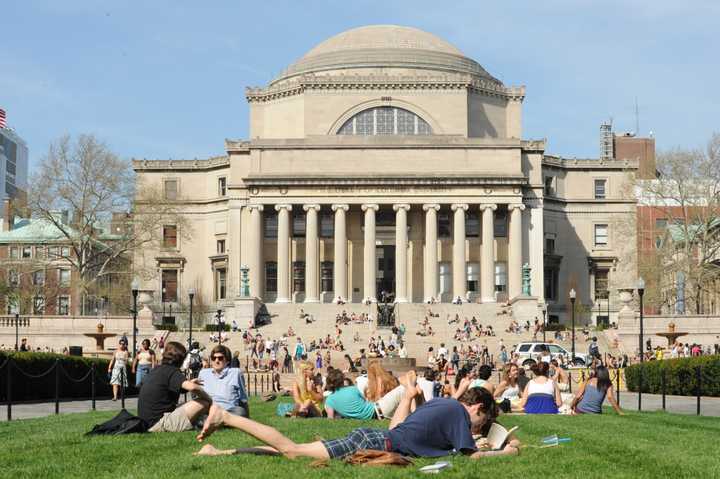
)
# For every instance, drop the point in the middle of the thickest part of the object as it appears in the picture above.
(591, 395)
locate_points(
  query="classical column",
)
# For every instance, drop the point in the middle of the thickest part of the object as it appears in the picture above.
(431, 259)
(515, 250)
(401, 251)
(340, 244)
(255, 260)
(369, 263)
(283, 253)
(311, 254)
(459, 265)
(487, 254)
(536, 249)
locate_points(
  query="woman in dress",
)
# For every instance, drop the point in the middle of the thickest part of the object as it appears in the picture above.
(118, 368)
(541, 394)
(144, 361)
(308, 400)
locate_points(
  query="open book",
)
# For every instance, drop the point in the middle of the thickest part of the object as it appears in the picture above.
(498, 436)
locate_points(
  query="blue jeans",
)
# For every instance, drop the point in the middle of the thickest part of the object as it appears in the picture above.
(142, 371)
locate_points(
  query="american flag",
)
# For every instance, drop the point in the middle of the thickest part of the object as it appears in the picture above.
(2, 118)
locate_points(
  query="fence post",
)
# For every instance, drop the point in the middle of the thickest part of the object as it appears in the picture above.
(570, 382)
(662, 383)
(57, 386)
(122, 387)
(92, 385)
(640, 385)
(698, 377)
(255, 381)
(617, 387)
(9, 389)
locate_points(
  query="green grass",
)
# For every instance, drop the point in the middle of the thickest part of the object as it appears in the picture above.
(647, 445)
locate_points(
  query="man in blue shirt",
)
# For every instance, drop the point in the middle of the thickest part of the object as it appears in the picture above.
(224, 384)
(438, 428)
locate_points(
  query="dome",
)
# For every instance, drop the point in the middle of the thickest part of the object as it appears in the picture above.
(385, 46)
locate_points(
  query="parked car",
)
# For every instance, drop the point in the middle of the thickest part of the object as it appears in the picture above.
(530, 351)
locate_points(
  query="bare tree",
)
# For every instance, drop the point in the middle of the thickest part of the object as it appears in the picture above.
(88, 194)
(686, 195)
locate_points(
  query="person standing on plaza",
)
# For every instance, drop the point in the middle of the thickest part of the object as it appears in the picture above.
(144, 361)
(118, 368)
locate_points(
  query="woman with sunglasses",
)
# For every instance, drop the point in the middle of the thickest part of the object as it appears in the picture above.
(225, 385)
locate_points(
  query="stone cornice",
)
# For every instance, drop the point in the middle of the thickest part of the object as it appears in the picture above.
(439, 180)
(181, 165)
(467, 82)
(349, 142)
(591, 164)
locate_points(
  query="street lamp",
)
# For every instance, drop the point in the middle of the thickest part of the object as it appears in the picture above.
(641, 293)
(134, 286)
(220, 325)
(191, 294)
(17, 332)
(573, 294)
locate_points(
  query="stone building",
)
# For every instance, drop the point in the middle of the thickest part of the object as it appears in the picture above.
(385, 160)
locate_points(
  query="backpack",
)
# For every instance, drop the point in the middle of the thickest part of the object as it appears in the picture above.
(123, 423)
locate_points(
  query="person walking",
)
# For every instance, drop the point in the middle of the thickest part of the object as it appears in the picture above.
(144, 361)
(118, 368)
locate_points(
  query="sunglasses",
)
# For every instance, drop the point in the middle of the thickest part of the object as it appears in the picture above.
(218, 358)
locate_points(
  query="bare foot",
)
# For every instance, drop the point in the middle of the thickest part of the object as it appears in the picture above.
(208, 450)
(213, 422)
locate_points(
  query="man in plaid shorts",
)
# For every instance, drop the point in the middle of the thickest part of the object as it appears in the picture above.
(453, 422)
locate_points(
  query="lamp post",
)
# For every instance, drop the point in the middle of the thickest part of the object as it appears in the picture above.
(220, 325)
(17, 331)
(573, 294)
(191, 294)
(641, 293)
(134, 287)
(544, 310)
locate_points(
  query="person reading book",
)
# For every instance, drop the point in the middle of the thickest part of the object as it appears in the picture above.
(453, 423)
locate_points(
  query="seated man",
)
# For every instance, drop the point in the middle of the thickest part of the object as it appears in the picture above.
(157, 402)
(224, 384)
(453, 422)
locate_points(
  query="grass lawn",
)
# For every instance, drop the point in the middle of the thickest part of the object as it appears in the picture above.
(652, 445)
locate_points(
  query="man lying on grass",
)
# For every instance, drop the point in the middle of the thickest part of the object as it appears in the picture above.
(438, 428)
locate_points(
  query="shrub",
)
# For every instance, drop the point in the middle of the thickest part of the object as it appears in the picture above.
(680, 376)
(26, 388)
(214, 327)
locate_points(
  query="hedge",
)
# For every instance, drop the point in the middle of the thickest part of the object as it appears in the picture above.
(43, 388)
(680, 376)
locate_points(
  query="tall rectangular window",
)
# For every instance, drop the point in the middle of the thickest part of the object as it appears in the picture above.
(169, 285)
(601, 283)
(13, 278)
(549, 187)
(599, 189)
(445, 273)
(298, 225)
(326, 276)
(473, 277)
(271, 224)
(472, 224)
(500, 277)
(271, 277)
(500, 223)
(63, 305)
(444, 225)
(298, 276)
(38, 277)
(171, 189)
(220, 283)
(550, 281)
(169, 236)
(601, 235)
(221, 246)
(222, 186)
(39, 305)
(327, 225)
(27, 252)
(14, 252)
(64, 277)
(549, 245)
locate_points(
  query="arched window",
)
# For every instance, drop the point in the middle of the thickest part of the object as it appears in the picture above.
(385, 120)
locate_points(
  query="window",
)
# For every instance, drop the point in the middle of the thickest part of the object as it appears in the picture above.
(271, 277)
(221, 246)
(326, 276)
(549, 245)
(27, 252)
(169, 285)
(444, 229)
(385, 120)
(601, 283)
(13, 278)
(550, 281)
(63, 305)
(64, 277)
(14, 252)
(472, 224)
(500, 223)
(298, 276)
(298, 224)
(65, 251)
(524, 348)
(169, 236)
(601, 235)
(473, 277)
(38, 278)
(445, 277)
(327, 226)
(661, 224)
(53, 252)
(171, 189)
(500, 277)
(549, 186)
(271, 224)
(39, 305)
(220, 283)
(222, 186)
(40, 252)
(599, 189)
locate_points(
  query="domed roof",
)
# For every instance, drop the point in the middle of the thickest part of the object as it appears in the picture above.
(384, 46)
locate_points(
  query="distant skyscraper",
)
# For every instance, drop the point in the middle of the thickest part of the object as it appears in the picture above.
(13, 163)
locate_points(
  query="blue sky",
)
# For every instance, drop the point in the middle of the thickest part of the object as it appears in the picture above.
(166, 78)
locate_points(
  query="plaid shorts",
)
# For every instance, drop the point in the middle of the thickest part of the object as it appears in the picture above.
(363, 438)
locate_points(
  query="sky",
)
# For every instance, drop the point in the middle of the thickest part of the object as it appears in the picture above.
(166, 78)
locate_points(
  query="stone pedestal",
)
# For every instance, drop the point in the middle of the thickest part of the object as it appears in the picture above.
(627, 316)
(525, 308)
(245, 311)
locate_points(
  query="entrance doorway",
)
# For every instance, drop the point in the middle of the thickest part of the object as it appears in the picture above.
(385, 257)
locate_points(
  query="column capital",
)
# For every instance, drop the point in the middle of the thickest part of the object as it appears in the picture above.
(255, 207)
(488, 206)
(459, 206)
(343, 207)
(431, 206)
(283, 207)
(519, 206)
(370, 206)
(401, 206)
(311, 207)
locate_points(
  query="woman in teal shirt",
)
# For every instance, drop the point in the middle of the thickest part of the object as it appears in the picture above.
(346, 401)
